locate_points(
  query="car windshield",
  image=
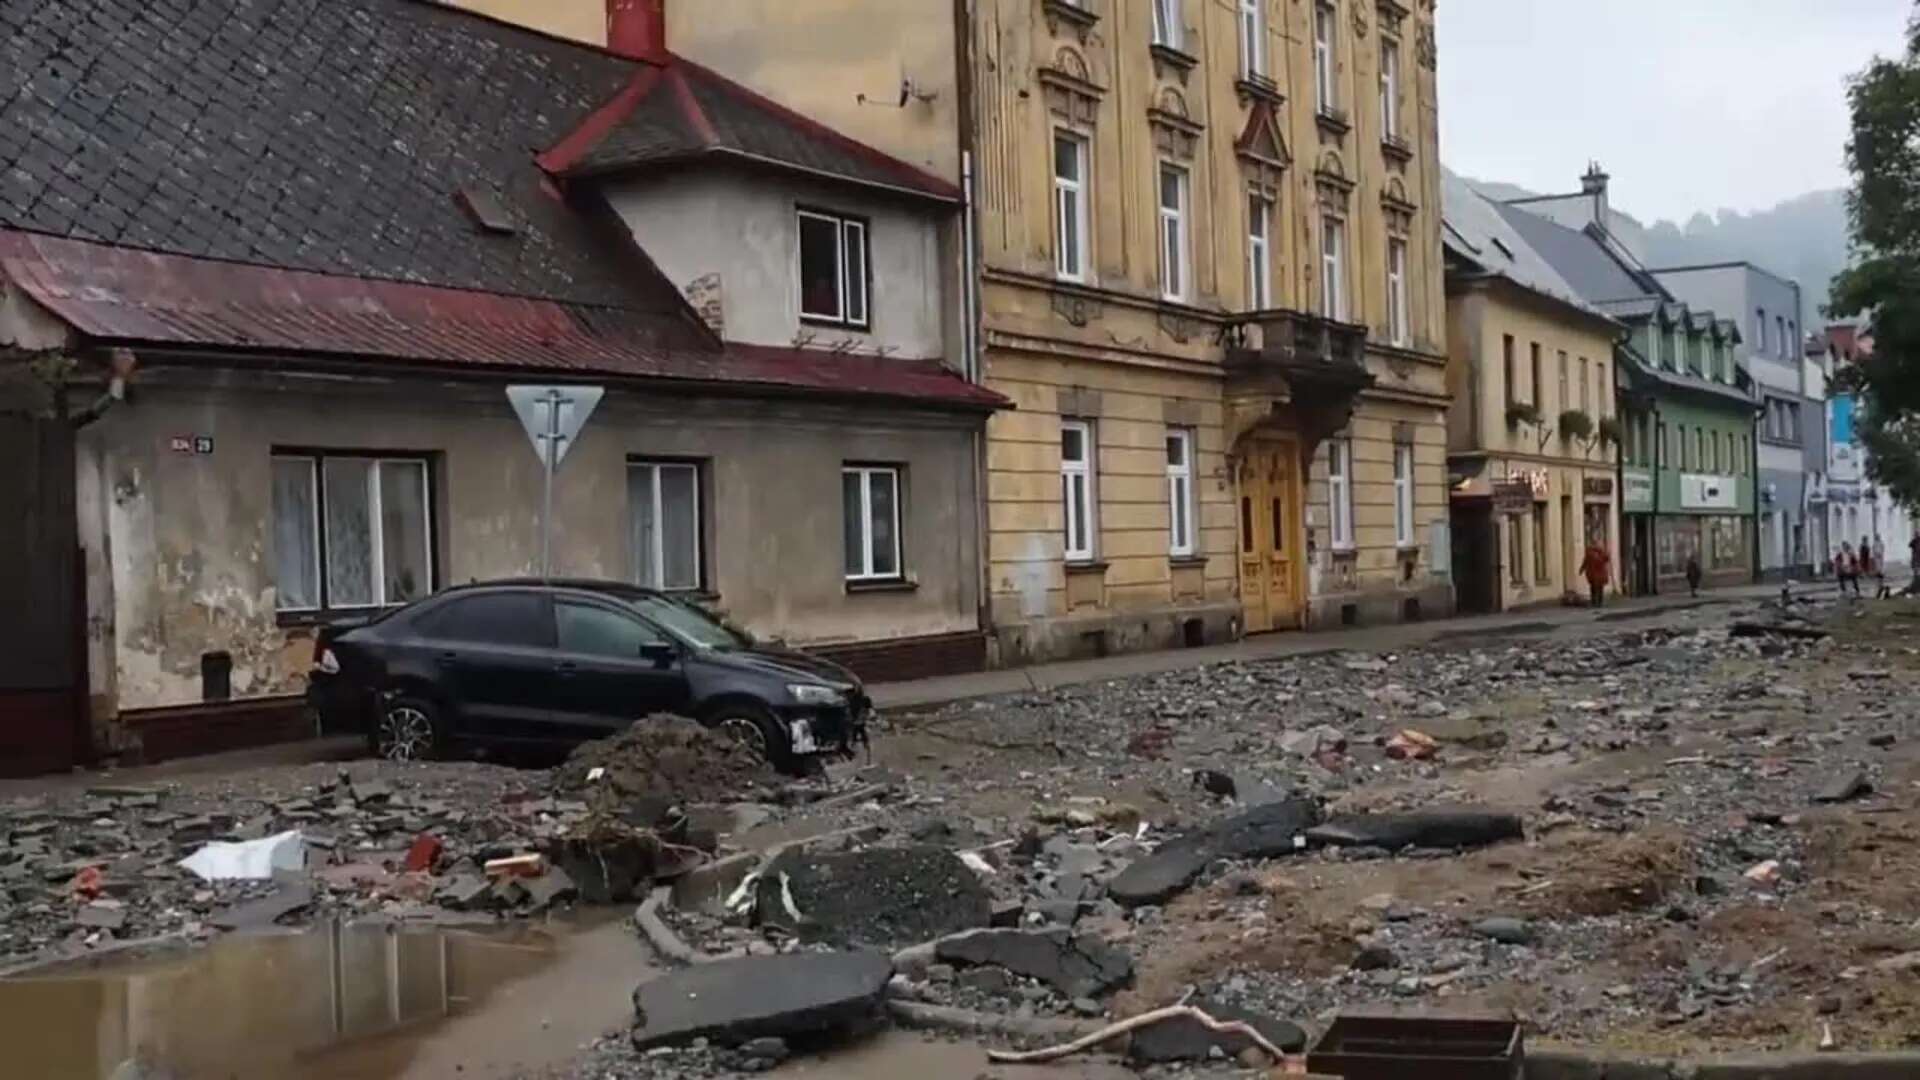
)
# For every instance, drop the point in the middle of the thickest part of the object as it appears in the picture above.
(689, 623)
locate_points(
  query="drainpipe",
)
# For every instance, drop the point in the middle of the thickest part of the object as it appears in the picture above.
(1653, 527)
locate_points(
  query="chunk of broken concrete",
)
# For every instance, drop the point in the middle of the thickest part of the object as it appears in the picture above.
(1076, 966)
(1435, 829)
(1264, 832)
(1186, 1039)
(1159, 877)
(755, 997)
(878, 897)
(1505, 930)
(290, 897)
(102, 917)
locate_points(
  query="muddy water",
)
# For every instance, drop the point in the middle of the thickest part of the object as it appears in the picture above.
(362, 1000)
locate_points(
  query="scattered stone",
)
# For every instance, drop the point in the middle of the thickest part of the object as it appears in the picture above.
(102, 916)
(767, 1048)
(465, 892)
(1375, 958)
(1411, 745)
(1263, 832)
(736, 1001)
(1845, 788)
(1184, 1039)
(1764, 873)
(1882, 740)
(1430, 829)
(1075, 966)
(1506, 931)
(292, 895)
(549, 889)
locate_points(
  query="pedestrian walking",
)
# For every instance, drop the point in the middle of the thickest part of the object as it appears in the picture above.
(1913, 563)
(1597, 568)
(1846, 569)
(1877, 569)
(1693, 572)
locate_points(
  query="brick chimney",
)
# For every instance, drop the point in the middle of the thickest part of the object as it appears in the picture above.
(637, 29)
(1594, 186)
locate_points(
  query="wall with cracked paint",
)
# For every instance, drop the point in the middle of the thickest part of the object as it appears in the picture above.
(179, 543)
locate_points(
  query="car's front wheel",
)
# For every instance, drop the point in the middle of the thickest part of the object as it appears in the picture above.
(408, 729)
(758, 730)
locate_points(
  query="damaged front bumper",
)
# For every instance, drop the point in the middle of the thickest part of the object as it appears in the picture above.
(836, 729)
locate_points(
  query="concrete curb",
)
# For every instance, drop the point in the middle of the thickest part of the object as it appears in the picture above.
(660, 936)
(1585, 1065)
(925, 1017)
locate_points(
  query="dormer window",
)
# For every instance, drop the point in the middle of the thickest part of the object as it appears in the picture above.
(833, 269)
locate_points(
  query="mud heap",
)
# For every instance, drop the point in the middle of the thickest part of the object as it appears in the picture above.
(669, 760)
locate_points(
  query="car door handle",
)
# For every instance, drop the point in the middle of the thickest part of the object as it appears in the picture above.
(567, 669)
(447, 659)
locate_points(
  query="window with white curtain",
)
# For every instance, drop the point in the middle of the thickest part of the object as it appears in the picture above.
(1076, 488)
(1340, 492)
(1180, 492)
(350, 530)
(1176, 250)
(1259, 252)
(663, 500)
(1324, 31)
(1333, 288)
(1253, 45)
(871, 495)
(1167, 28)
(1403, 495)
(1398, 317)
(1069, 206)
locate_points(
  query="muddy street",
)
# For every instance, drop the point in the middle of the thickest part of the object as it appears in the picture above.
(1683, 834)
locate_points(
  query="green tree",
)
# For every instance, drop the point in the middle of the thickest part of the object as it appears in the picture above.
(1883, 284)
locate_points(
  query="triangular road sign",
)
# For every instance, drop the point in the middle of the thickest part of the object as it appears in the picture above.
(554, 415)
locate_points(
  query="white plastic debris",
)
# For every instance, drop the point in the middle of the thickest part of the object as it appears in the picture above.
(977, 864)
(596, 773)
(248, 859)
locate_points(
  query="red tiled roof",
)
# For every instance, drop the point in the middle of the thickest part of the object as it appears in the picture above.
(137, 298)
(679, 111)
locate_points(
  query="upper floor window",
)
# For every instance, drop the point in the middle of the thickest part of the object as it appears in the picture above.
(1259, 252)
(1167, 28)
(1389, 88)
(833, 269)
(1176, 258)
(1340, 493)
(353, 530)
(1506, 369)
(1180, 492)
(1333, 289)
(1760, 328)
(1323, 43)
(1069, 206)
(1253, 44)
(1780, 328)
(1583, 386)
(1398, 330)
(1536, 384)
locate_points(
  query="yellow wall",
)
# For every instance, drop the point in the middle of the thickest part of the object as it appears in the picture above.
(582, 20)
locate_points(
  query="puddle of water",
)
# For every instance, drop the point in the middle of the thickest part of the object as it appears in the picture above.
(337, 1001)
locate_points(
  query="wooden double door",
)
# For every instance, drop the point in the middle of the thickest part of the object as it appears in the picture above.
(1272, 539)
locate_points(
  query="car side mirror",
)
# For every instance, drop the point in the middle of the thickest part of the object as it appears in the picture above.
(660, 653)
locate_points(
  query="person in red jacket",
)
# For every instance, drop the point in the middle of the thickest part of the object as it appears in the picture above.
(1597, 567)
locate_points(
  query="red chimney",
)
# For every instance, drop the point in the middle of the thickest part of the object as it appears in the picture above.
(637, 29)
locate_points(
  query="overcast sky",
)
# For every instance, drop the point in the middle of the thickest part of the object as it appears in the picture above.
(1689, 104)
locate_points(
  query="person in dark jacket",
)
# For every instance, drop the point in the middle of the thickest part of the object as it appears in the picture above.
(1693, 572)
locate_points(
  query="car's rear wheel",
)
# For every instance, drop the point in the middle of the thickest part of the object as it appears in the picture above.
(758, 730)
(408, 729)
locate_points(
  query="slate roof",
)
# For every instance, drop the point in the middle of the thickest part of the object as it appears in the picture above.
(327, 135)
(250, 315)
(1579, 259)
(1482, 234)
(679, 111)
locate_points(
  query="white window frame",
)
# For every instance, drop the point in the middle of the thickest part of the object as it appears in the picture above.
(1340, 493)
(850, 233)
(1325, 29)
(1176, 239)
(1182, 501)
(1333, 278)
(1253, 39)
(1070, 208)
(1399, 318)
(1079, 473)
(1389, 88)
(650, 567)
(1168, 28)
(316, 461)
(1403, 495)
(867, 474)
(1259, 251)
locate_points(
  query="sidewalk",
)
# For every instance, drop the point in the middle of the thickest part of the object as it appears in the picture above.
(925, 693)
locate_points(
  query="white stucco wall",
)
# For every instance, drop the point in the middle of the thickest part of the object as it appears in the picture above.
(744, 228)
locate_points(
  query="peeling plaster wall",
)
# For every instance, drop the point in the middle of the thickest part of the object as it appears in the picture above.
(188, 566)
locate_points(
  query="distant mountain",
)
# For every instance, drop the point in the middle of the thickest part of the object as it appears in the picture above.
(1804, 238)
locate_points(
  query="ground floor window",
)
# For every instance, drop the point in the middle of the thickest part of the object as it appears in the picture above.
(1678, 540)
(1727, 548)
(664, 500)
(350, 530)
(872, 497)
(1540, 542)
(1516, 549)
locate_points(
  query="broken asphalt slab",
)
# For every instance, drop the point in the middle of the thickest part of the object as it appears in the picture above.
(1430, 829)
(879, 897)
(1264, 832)
(735, 1001)
(1186, 1039)
(291, 896)
(1075, 966)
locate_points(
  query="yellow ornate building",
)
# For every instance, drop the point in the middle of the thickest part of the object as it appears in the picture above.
(1208, 273)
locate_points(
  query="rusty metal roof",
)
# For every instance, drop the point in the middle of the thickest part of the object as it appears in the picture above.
(262, 314)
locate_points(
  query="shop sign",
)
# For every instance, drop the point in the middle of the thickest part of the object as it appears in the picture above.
(1598, 487)
(1636, 491)
(1512, 497)
(1702, 492)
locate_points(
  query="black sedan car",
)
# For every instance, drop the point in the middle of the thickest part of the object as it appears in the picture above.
(567, 661)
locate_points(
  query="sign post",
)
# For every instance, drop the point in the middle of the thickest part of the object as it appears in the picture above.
(552, 417)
